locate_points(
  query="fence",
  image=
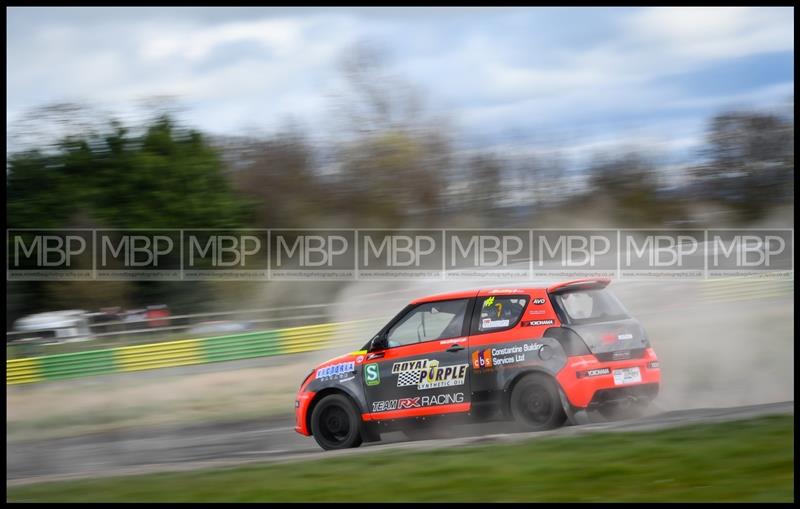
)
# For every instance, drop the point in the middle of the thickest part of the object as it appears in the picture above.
(188, 352)
(23, 344)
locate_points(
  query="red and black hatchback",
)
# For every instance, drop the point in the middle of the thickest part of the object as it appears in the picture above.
(539, 356)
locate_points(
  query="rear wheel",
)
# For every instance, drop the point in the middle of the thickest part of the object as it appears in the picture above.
(335, 423)
(535, 403)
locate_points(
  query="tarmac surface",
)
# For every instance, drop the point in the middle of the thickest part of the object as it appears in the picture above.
(228, 444)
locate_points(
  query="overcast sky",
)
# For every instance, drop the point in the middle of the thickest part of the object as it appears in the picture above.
(583, 77)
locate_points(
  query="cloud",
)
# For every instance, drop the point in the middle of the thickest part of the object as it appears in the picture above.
(281, 37)
(117, 62)
(703, 33)
(493, 70)
(654, 43)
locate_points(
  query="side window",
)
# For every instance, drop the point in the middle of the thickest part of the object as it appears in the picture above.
(499, 313)
(428, 322)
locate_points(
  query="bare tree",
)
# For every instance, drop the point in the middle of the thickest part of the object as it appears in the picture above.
(394, 156)
(373, 99)
(47, 125)
(278, 177)
(749, 161)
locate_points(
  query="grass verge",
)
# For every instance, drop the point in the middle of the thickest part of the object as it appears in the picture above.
(748, 460)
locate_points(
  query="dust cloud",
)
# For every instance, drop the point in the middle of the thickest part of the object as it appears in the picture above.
(720, 343)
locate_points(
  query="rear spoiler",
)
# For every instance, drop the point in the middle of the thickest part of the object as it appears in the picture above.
(580, 284)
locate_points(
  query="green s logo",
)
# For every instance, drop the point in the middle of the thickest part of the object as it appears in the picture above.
(372, 374)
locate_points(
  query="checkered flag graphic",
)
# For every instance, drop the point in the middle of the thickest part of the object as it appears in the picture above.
(408, 378)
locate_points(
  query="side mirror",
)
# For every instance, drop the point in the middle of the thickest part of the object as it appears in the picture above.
(378, 343)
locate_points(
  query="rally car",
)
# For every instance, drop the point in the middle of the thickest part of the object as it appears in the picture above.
(538, 356)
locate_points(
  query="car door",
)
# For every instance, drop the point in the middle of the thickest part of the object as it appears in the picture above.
(499, 344)
(424, 367)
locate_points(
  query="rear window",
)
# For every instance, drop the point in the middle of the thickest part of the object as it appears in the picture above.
(590, 306)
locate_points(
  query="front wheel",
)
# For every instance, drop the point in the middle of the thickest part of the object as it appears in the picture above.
(335, 423)
(535, 403)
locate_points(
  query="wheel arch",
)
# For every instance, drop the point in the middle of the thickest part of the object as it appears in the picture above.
(505, 405)
(327, 391)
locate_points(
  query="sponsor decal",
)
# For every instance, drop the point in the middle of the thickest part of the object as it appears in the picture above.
(492, 357)
(608, 339)
(343, 380)
(377, 355)
(408, 403)
(538, 301)
(593, 372)
(336, 369)
(488, 323)
(372, 374)
(482, 359)
(537, 312)
(427, 374)
(614, 336)
(417, 402)
(534, 323)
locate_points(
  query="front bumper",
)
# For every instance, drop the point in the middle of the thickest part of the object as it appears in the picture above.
(601, 389)
(301, 404)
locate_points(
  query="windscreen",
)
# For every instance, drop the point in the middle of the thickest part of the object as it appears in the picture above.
(590, 306)
(427, 322)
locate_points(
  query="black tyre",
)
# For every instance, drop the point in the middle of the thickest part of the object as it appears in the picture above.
(535, 403)
(335, 423)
